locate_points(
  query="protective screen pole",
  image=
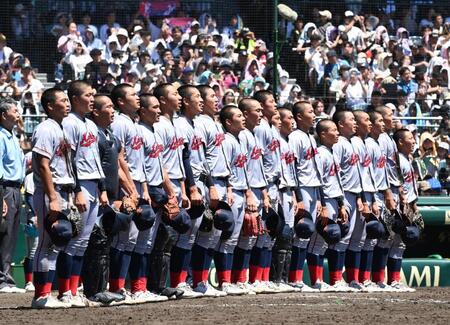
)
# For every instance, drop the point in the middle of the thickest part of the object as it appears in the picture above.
(276, 48)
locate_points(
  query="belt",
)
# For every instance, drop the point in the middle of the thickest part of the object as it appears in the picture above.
(65, 188)
(286, 189)
(11, 184)
(221, 178)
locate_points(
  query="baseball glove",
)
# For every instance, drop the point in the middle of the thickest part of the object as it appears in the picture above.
(171, 209)
(128, 205)
(252, 225)
(75, 219)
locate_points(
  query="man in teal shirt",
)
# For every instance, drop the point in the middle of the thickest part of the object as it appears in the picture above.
(12, 173)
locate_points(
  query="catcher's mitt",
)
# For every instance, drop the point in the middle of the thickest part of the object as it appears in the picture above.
(128, 205)
(252, 225)
(75, 219)
(171, 209)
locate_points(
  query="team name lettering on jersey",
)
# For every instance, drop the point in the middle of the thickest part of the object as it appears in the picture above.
(88, 139)
(409, 177)
(136, 143)
(288, 157)
(274, 145)
(240, 161)
(219, 139)
(311, 152)
(366, 161)
(256, 153)
(333, 170)
(196, 143)
(156, 150)
(381, 163)
(62, 149)
(176, 143)
(353, 159)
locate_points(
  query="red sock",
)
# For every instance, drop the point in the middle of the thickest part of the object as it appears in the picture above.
(296, 276)
(74, 280)
(63, 285)
(28, 277)
(135, 285)
(393, 276)
(239, 276)
(315, 273)
(335, 276)
(265, 274)
(177, 277)
(199, 276)
(378, 276)
(224, 276)
(143, 282)
(364, 276)
(352, 275)
(255, 273)
(41, 290)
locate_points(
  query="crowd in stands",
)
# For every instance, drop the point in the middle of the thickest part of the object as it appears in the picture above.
(354, 60)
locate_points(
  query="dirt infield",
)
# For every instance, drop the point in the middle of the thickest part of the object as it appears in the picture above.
(426, 306)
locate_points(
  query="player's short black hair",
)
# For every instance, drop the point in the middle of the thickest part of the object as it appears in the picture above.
(323, 125)
(399, 134)
(283, 111)
(97, 100)
(299, 107)
(245, 103)
(161, 90)
(144, 100)
(262, 95)
(119, 91)
(185, 91)
(358, 115)
(226, 113)
(339, 116)
(381, 109)
(76, 88)
(203, 89)
(49, 97)
(373, 115)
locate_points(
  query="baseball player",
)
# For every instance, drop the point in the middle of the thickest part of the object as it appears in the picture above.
(360, 252)
(176, 162)
(347, 159)
(233, 122)
(309, 199)
(126, 129)
(54, 180)
(212, 135)
(243, 254)
(82, 134)
(269, 139)
(287, 185)
(334, 200)
(389, 252)
(378, 157)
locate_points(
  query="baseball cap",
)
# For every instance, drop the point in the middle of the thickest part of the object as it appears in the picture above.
(325, 13)
(212, 44)
(393, 65)
(195, 23)
(349, 13)
(123, 32)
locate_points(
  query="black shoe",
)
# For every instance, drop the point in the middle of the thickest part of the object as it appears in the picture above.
(172, 293)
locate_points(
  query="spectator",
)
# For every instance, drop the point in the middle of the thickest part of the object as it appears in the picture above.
(355, 90)
(29, 84)
(96, 70)
(78, 60)
(85, 25)
(106, 30)
(91, 40)
(66, 43)
(284, 89)
(5, 51)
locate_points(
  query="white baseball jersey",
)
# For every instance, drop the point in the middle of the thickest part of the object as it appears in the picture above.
(305, 151)
(378, 157)
(127, 131)
(348, 160)
(213, 136)
(409, 180)
(269, 140)
(365, 165)
(329, 170)
(255, 169)
(49, 140)
(172, 142)
(152, 151)
(236, 158)
(390, 148)
(193, 138)
(287, 170)
(83, 138)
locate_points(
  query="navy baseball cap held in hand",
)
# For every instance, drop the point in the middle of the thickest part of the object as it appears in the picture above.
(305, 226)
(274, 220)
(374, 228)
(411, 235)
(223, 217)
(144, 217)
(331, 232)
(182, 222)
(113, 221)
(196, 211)
(60, 231)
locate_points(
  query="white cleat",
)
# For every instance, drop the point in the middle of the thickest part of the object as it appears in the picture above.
(29, 287)
(323, 287)
(282, 287)
(188, 292)
(383, 287)
(247, 287)
(356, 286)
(369, 286)
(48, 302)
(128, 299)
(233, 290)
(401, 287)
(342, 286)
(74, 301)
(208, 290)
(146, 296)
(303, 287)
